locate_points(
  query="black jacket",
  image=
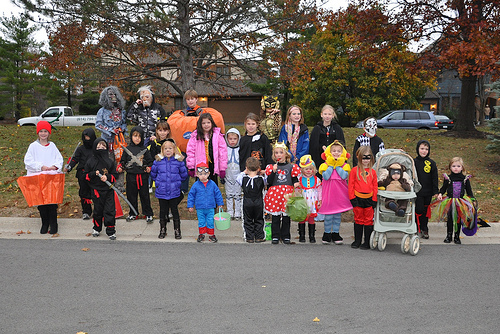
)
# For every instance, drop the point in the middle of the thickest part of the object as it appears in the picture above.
(427, 172)
(257, 146)
(462, 181)
(323, 136)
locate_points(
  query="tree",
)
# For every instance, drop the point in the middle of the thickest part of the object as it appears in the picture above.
(180, 43)
(466, 37)
(19, 76)
(358, 61)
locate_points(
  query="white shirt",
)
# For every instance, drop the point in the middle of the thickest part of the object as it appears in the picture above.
(39, 155)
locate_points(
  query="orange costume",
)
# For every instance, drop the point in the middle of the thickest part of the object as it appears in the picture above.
(363, 195)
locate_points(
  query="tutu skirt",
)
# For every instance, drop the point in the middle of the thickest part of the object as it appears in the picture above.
(461, 210)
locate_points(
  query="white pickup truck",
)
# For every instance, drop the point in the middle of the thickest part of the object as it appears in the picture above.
(59, 116)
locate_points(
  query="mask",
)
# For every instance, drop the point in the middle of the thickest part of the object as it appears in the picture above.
(371, 127)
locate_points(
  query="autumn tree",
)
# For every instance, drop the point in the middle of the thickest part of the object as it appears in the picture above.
(19, 75)
(358, 61)
(465, 37)
(180, 43)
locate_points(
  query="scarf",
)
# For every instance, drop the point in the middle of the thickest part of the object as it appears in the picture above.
(293, 137)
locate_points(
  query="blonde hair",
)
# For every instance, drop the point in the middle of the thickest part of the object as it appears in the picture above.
(288, 156)
(329, 107)
(170, 142)
(313, 166)
(459, 160)
(289, 111)
(363, 150)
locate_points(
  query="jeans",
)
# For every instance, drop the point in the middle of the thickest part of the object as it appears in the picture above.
(332, 223)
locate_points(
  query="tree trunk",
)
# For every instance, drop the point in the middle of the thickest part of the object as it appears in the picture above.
(185, 47)
(467, 110)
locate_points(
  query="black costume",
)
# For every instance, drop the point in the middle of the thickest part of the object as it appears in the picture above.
(253, 206)
(103, 196)
(137, 177)
(81, 156)
(258, 146)
(427, 173)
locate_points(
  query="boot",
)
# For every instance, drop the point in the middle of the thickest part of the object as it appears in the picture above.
(358, 235)
(457, 238)
(368, 232)
(163, 229)
(447, 240)
(312, 230)
(302, 232)
(177, 228)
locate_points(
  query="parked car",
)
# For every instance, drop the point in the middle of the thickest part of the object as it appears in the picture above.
(407, 119)
(443, 122)
(59, 116)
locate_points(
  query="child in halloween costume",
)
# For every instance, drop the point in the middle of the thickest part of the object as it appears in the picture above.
(334, 171)
(207, 145)
(137, 161)
(271, 117)
(99, 169)
(168, 172)
(43, 156)
(368, 138)
(295, 134)
(458, 205)
(394, 178)
(310, 185)
(427, 173)
(253, 185)
(363, 196)
(282, 178)
(82, 154)
(232, 187)
(324, 133)
(205, 196)
(254, 144)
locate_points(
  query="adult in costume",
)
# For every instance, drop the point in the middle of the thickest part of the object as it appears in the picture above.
(270, 124)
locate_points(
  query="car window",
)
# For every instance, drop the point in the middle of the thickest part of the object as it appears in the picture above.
(68, 112)
(52, 112)
(397, 116)
(411, 115)
(424, 115)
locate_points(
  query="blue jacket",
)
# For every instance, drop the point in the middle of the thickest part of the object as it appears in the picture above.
(302, 142)
(204, 197)
(168, 174)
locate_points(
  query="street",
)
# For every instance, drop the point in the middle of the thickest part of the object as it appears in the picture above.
(57, 286)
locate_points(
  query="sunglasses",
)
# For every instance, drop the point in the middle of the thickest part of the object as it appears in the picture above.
(203, 170)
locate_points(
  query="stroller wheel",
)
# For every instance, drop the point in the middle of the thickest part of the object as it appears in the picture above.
(382, 241)
(405, 244)
(414, 245)
(373, 240)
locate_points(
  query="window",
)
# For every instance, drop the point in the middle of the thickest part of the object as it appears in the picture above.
(54, 112)
(397, 116)
(68, 112)
(412, 115)
(424, 115)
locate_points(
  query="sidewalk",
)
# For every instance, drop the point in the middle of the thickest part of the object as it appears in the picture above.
(77, 229)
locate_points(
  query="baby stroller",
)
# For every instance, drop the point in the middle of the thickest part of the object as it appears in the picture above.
(386, 220)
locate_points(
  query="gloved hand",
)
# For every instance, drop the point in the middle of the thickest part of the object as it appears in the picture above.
(222, 174)
(191, 173)
(374, 204)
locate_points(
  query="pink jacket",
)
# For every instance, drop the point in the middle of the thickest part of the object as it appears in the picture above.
(196, 151)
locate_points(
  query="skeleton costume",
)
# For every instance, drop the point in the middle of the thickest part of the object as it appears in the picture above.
(233, 189)
(369, 138)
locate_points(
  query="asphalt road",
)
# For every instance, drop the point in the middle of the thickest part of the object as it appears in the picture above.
(53, 286)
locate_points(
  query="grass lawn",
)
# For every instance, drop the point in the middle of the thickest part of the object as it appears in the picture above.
(482, 165)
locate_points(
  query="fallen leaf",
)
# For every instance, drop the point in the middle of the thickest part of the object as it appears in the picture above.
(85, 249)
(316, 319)
(28, 232)
(88, 234)
(20, 232)
(55, 235)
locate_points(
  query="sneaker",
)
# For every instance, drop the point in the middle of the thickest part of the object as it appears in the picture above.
(149, 219)
(337, 239)
(212, 238)
(286, 241)
(250, 241)
(112, 237)
(201, 237)
(425, 235)
(327, 238)
(85, 216)
(258, 241)
(275, 241)
(131, 218)
(95, 233)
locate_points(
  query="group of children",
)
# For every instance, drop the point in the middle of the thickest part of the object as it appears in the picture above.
(258, 177)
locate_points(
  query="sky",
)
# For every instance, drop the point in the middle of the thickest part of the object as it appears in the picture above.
(9, 7)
